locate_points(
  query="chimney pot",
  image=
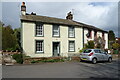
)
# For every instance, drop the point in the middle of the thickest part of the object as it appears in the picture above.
(33, 13)
(69, 16)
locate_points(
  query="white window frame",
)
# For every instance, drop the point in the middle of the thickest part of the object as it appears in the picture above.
(40, 46)
(57, 31)
(73, 46)
(71, 31)
(39, 29)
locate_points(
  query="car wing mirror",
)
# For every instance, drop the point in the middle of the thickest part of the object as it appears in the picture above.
(105, 53)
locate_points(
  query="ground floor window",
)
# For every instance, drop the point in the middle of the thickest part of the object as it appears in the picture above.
(71, 46)
(39, 46)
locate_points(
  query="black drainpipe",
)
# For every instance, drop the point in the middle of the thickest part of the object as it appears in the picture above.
(83, 37)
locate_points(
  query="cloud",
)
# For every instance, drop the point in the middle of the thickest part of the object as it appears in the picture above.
(100, 14)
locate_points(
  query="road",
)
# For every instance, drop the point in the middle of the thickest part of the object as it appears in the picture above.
(63, 70)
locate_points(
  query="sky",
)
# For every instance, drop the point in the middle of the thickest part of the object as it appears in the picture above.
(103, 15)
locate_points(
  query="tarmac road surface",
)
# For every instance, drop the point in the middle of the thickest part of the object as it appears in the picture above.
(63, 70)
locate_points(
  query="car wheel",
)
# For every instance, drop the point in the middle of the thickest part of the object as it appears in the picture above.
(94, 60)
(109, 59)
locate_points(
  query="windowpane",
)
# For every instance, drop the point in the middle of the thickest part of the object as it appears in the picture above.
(71, 45)
(39, 29)
(55, 30)
(71, 32)
(39, 46)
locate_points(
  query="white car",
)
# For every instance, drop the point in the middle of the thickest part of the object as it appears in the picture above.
(95, 55)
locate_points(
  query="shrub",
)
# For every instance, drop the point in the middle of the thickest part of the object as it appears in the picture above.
(115, 45)
(47, 60)
(18, 58)
(90, 44)
(82, 50)
(34, 61)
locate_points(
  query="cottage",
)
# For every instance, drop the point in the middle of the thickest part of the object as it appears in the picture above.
(44, 36)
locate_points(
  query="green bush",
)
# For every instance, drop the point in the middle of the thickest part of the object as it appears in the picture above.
(115, 45)
(34, 61)
(115, 52)
(90, 44)
(48, 60)
(82, 50)
(18, 58)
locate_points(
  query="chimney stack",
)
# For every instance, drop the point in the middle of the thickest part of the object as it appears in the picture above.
(69, 16)
(23, 9)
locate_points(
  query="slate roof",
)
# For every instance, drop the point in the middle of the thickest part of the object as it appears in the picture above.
(91, 27)
(51, 20)
(46, 19)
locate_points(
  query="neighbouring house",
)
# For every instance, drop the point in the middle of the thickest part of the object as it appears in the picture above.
(44, 36)
(117, 40)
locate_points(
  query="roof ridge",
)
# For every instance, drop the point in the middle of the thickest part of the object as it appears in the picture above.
(90, 26)
(54, 20)
(47, 17)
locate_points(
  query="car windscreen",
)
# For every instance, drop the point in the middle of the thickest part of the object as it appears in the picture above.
(87, 51)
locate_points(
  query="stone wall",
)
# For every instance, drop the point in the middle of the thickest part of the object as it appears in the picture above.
(6, 57)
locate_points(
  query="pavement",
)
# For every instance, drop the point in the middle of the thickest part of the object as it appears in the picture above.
(63, 70)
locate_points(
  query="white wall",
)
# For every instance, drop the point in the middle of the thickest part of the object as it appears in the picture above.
(29, 40)
(106, 40)
(99, 34)
(85, 37)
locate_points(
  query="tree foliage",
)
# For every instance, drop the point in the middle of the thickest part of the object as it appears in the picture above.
(10, 38)
(111, 36)
(99, 42)
(17, 36)
(116, 46)
(1, 24)
(90, 44)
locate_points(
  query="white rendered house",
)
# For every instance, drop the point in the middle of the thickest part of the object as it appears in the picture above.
(44, 36)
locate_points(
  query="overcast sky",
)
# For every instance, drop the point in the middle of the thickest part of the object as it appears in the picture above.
(103, 15)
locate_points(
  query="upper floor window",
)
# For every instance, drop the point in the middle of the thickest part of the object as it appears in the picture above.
(71, 32)
(56, 30)
(89, 34)
(39, 29)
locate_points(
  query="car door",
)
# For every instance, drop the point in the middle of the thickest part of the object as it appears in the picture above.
(105, 56)
(98, 54)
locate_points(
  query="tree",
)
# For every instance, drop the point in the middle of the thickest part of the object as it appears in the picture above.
(8, 38)
(116, 46)
(111, 36)
(90, 44)
(18, 38)
(99, 43)
(1, 24)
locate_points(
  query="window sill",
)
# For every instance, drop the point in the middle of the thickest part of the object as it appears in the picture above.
(39, 52)
(56, 36)
(71, 51)
(71, 37)
(39, 36)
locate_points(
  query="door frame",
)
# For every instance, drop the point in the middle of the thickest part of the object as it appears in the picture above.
(53, 48)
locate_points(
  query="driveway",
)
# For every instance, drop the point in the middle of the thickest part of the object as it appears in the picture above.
(63, 70)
